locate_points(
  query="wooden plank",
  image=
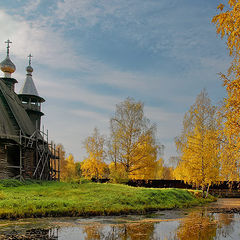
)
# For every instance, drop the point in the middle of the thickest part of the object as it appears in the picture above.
(8, 136)
(13, 166)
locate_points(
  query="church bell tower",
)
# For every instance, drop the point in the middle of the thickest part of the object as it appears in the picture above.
(30, 98)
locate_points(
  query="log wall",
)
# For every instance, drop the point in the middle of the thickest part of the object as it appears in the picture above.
(29, 163)
(3, 162)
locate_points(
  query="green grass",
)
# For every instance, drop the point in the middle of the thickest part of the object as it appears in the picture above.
(42, 199)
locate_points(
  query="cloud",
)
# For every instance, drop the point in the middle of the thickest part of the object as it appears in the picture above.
(168, 123)
(155, 25)
(48, 46)
(82, 76)
(31, 6)
(216, 63)
(71, 126)
(122, 79)
(86, 12)
(90, 115)
(169, 126)
(72, 93)
(139, 21)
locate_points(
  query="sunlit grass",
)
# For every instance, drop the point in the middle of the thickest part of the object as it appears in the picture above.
(37, 199)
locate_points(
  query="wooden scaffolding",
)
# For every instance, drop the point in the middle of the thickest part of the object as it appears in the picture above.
(44, 162)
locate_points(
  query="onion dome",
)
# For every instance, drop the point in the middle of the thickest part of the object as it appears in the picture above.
(7, 66)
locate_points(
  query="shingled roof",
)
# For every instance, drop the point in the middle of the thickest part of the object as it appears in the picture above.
(29, 87)
(13, 117)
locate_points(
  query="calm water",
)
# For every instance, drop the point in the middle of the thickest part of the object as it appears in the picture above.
(216, 221)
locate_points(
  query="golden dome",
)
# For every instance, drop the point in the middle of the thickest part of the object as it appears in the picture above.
(7, 65)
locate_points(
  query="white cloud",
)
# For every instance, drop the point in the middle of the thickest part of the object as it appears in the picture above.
(85, 12)
(31, 6)
(154, 25)
(90, 115)
(70, 92)
(122, 79)
(216, 63)
(47, 46)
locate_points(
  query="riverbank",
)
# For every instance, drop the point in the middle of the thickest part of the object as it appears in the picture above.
(57, 199)
(198, 222)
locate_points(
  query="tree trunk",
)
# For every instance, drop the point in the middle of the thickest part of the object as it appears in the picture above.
(203, 191)
(207, 191)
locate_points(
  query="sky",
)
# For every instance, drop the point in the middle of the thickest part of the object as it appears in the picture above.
(89, 55)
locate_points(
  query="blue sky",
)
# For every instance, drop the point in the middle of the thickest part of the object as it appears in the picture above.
(89, 55)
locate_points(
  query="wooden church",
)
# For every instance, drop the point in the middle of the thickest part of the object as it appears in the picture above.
(25, 152)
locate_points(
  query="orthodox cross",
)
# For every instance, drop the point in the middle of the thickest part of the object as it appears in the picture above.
(30, 58)
(8, 46)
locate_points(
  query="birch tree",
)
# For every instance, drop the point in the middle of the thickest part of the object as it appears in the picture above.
(133, 140)
(94, 166)
(198, 144)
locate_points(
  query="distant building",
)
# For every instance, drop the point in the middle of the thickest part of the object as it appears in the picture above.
(25, 152)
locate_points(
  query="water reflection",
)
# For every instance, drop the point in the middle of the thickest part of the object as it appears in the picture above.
(133, 231)
(33, 234)
(225, 224)
(196, 225)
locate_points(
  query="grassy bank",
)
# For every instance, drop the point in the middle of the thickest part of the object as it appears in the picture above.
(40, 199)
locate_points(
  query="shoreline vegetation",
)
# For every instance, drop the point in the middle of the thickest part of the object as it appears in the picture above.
(84, 198)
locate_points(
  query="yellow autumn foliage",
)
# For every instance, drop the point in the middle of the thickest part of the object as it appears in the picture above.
(133, 144)
(117, 173)
(94, 166)
(159, 169)
(144, 159)
(228, 26)
(199, 163)
(196, 226)
(199, 144)
(68, 168)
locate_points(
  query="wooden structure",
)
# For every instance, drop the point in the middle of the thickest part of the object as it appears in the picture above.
(25, 151)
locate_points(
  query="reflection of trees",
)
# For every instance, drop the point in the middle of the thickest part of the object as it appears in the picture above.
(133, 231)
(225, 224)
(93, 232)
(197, 226)
(139, 231)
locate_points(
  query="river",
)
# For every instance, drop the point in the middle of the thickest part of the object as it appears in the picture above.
(219, 220)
